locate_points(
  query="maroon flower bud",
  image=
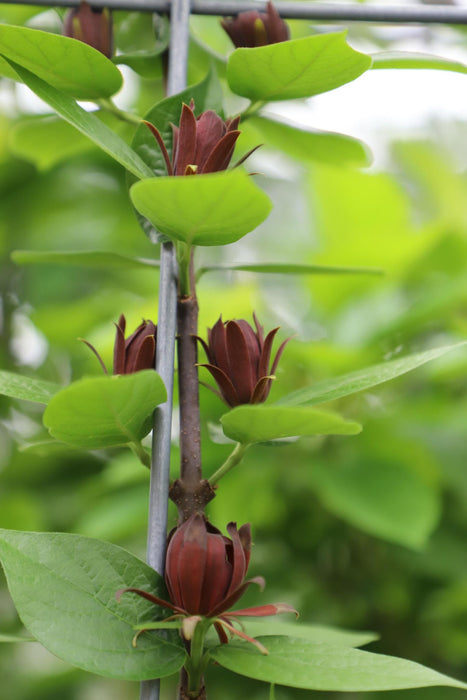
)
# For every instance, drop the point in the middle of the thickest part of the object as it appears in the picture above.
(92, 26)
(134, 353)
(205, 571)
(205, 575)
(203, 144)
(239, 360)
(255, 28)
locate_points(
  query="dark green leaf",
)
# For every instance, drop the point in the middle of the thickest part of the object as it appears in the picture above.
(300, 663)
(314, 633)
(248, 424)
(27, 388)
(412, 60)
(213, 209)
(104, 411)
(66, 64)
(98, 259)
(64, 589)
(297, 68)
(290, 269)
(86, 122)
(353, 382)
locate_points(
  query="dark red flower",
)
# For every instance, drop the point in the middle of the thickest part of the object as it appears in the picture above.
(134, 353)
(205, 575)
(93, 26)
(239, 360)
(255, 28)
(203, 144)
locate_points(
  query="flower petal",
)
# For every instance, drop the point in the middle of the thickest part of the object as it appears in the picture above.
(220, 156)
(186, 144)
(263, 610)
(225, 385)
(240, 361)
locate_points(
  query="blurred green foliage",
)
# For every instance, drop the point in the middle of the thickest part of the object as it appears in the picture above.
(365, 532)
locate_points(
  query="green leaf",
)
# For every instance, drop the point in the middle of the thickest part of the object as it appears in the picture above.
(64, 589)
(382, 497)
(300, 663)
(248, 424)
(297, 68)
(314, 633)
(310, 145)
(18, 387)
(66, 64)
(98, 259)
(105, 411)
(290, 269)
(145, 63)
(86, 122)
(13, 638)
(413, 60)
(213, 209)
(353, 382)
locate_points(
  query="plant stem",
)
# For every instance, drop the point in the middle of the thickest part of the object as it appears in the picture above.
(111, 107)
(252, 109)
(190, 492)
(143, 456)
(232, 460)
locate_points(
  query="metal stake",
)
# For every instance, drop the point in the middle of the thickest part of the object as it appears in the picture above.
(166, 328)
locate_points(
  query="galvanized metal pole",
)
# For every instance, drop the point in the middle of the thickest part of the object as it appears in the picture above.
(166, 329)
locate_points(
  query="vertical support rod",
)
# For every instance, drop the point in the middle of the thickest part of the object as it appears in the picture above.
(166, 329)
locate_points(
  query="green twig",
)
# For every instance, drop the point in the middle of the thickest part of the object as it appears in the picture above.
(111, 107)
(143, 456)
(232, 460)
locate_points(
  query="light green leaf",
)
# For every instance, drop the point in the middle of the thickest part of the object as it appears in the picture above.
(411, 60)
(146, 63)
(66, 64)
(300, 663)
(310, 145)
(104, 411)
(353, 382)
(384, 498)
(314, 633)
(297, 68)
(98, 259)
(248, 424)
(86, 122)
(213, 209)
(19, 387)
(290, 269)
(64, 589)
(13, 638)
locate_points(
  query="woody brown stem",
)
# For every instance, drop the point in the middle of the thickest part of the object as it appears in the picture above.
(190, 492)
(183, 689)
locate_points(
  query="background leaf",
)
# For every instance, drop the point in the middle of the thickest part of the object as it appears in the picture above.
(413, 60)
(99, 259)
(28, 388)
(248, 424)
(64, 589)
(301, 663)
(297, 68)
(66, 64)
(353, 382)
(105, 411)
(314, 633)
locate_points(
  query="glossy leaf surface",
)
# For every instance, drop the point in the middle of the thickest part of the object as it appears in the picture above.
(104, 411)
(297, 68)
(18, 386)
(64, 589)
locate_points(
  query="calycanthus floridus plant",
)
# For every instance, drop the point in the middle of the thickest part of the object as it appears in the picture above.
(91, 603)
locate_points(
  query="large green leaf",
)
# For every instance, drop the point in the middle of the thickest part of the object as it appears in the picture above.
(213, 209)
(314, 633)
(289, 269)
(19, 387)
(249, 424)
(297, 68)
(310, 145)
(301, 663)
(67, 64)
(99, 259)
(64, 589)
(105, 411)
(86, 122)
(353, 382)
(413, 60)
(381, 497)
